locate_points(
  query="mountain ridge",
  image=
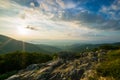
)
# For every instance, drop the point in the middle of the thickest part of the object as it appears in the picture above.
(8, 44)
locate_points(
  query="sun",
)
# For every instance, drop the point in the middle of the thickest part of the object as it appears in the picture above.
(22, 31)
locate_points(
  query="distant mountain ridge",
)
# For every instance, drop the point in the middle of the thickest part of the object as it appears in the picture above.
(85, 47)
(8, 45)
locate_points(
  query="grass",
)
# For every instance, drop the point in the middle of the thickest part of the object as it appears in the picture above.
(110, 67)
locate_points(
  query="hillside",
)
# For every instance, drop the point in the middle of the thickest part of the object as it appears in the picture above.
(82, 47)
(88, 66)
(48, 48)
(8, 44)
(88, 47)
(81, 68)
(75, 62)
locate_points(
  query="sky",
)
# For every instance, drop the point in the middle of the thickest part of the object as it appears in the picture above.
(78, 20)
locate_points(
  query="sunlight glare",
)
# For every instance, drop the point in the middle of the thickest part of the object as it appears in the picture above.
(22, 31)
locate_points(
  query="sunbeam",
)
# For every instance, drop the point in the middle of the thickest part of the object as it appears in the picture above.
(5, 43)
(23, 46)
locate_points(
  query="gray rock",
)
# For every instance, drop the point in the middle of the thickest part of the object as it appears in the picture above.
(14, 77)
(32, 67)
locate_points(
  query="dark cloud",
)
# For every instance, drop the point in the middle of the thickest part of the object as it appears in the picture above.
(32, 28)
(111, 24)
(92, 20)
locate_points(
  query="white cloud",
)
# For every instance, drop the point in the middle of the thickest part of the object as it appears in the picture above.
(61, 3)
(112, 10)
(42, 18)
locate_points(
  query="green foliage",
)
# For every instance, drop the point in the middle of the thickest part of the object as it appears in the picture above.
(67, 55)
(6, 75)
(55, 56)
(20, 60)
(111, 67)
(109, 47)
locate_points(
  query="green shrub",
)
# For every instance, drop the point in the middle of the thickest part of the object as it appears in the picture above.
(20, 60)
(109, 47)
(6, 75)
(67, 55)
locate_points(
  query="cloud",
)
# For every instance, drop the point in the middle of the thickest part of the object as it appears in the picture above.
(59, 19)
(32, 28)
(113, 10)
(108, 20)
(61, 3)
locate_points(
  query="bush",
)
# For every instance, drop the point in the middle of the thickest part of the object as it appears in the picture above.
(67, 55)
(109, 47)
(20, 60)
(6, 75)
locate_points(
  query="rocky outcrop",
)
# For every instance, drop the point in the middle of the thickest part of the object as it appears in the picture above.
(70, 69)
